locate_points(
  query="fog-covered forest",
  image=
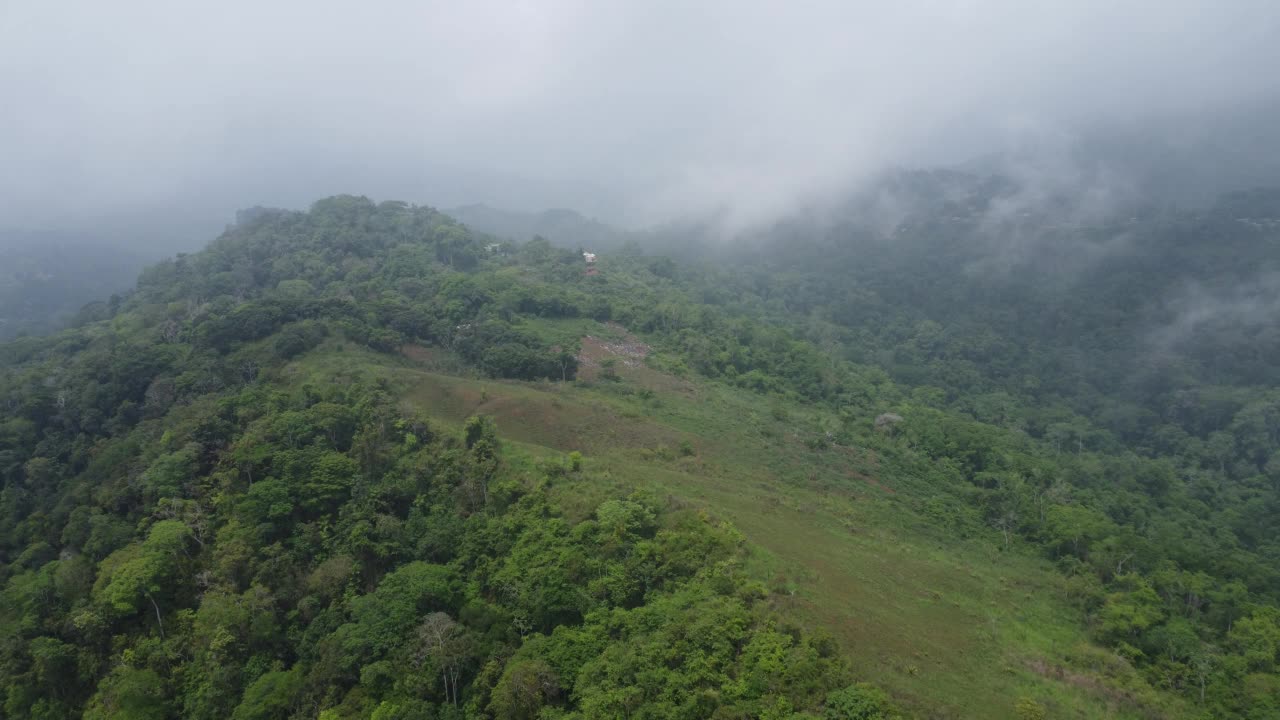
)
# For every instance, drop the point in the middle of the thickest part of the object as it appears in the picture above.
(650, 361)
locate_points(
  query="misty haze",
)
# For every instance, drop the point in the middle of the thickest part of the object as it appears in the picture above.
(838, 360)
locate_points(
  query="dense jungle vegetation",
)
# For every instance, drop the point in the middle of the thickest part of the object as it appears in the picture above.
(200, 522)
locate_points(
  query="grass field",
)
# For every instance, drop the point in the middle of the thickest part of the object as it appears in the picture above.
(952, 628)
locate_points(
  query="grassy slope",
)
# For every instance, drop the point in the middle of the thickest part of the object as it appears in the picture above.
(952, 628)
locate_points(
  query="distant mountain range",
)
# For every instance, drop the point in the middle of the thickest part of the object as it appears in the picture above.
(46, 278)
(562, 226)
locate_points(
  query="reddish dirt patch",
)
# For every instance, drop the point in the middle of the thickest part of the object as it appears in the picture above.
(872, 481)
(628, 354)
(865, 459)
(420, 354)
(534, 416)
(1091, 684)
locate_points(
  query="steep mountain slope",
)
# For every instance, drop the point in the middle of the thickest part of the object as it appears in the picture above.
(189, 531)
(1156, 327)
(843, 538)
(352, 463)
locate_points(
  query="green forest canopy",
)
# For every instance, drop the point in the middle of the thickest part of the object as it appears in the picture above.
(189, 531)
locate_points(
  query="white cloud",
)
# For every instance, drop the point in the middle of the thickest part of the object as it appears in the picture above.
(640, 108)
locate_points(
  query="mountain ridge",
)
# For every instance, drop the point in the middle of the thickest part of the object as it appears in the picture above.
(246, 430)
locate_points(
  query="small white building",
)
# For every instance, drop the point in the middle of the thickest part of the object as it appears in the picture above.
(589, 257)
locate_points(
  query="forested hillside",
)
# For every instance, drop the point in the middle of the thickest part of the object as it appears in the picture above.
(1137, 350)
(189, 533)
(364, 462)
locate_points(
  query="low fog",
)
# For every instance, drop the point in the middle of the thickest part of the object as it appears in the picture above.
(153, 121)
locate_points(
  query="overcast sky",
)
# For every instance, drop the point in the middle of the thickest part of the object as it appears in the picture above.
(634, 111)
